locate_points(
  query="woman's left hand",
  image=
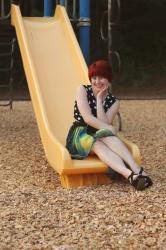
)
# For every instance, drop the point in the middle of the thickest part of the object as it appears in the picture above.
(102, 94)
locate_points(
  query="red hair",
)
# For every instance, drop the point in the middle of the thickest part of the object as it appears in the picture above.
(100, 68)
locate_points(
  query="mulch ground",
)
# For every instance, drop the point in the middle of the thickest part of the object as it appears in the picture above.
(36, 213)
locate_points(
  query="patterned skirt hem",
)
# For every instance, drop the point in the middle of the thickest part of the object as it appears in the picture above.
(79, 142)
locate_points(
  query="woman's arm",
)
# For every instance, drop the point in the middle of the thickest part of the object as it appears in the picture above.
(109, 116)
(85, 111)
(111, 113)
(100, 109)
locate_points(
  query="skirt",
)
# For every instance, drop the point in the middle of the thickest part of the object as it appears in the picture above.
(79, 143)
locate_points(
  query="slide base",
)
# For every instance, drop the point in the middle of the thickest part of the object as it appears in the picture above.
(80, 180)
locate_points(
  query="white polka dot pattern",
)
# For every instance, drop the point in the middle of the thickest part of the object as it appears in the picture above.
(109, 101)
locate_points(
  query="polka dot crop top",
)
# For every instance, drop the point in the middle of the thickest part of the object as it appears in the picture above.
(109, 101)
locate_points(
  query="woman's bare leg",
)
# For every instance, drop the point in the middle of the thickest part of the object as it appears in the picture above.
(117, 146)
(110, 158)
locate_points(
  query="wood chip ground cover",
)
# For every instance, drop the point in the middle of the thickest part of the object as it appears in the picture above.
(37, 213)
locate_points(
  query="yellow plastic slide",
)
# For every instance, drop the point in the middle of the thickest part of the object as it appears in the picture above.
(54, 67)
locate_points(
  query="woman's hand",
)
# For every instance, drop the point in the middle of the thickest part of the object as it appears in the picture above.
(100, 109)
(102, 94)
(89, 118)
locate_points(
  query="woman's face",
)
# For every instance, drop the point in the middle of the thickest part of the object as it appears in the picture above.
(99, 83)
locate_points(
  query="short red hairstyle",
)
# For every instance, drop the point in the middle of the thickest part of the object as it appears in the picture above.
(100, 68)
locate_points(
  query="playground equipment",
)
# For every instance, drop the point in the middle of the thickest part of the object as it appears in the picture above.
(111, 23)
(113, 54)
(3, 13)
(6, 68)
(84, 24)
(7, 44)
(83, 21)
(54, 67)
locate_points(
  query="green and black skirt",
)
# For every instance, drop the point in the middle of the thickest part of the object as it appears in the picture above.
(80, 141)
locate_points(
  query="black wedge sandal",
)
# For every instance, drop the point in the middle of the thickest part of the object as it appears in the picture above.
(139, 183)
(148, 181)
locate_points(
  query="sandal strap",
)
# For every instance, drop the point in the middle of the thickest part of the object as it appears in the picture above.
(141, 170)
(139, 182)
(130, 177)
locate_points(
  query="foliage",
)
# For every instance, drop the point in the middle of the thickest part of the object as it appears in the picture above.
(142, 41)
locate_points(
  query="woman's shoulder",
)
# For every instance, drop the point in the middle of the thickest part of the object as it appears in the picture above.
(110, 100)
(111, 96)
(84, 88)
(88, 87)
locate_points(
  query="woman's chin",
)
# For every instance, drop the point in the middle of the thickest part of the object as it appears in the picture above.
(97, 88)
(96, 91)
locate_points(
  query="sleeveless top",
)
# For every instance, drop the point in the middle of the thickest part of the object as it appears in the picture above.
(108, 102)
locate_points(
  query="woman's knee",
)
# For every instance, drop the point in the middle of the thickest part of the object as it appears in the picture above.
(97, 146)
(110, 139)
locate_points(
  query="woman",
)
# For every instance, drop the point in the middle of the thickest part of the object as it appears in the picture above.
(93, 132)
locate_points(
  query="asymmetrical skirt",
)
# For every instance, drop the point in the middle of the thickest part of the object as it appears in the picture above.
(79, 142)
